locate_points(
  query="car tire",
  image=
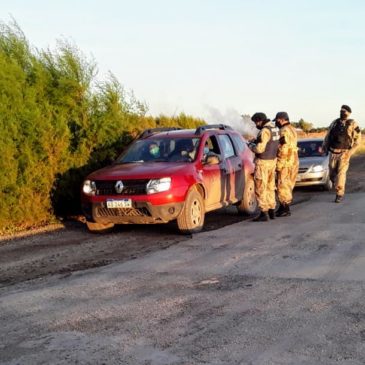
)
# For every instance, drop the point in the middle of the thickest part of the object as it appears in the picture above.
(99, 227)
(249, 203)
(191, 218)
(328, 185)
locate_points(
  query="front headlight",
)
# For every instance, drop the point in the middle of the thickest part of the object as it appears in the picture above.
(158, 185)
(317, 168)
(89, 187)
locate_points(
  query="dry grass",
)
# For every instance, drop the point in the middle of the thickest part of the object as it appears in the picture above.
(302, 135)
(361, 149)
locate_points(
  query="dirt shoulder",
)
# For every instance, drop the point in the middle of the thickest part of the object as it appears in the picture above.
(292, 292)
(356, 174)
(71, 248)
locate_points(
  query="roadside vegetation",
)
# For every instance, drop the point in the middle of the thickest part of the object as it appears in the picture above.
(361, 149)
(58, 123)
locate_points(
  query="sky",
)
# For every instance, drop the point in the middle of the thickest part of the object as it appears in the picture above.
(215, 59)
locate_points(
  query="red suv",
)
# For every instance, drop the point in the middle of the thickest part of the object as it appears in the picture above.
(172, 174)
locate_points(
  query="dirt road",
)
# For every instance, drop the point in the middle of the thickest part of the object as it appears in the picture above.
(72, 248)
(291, 293)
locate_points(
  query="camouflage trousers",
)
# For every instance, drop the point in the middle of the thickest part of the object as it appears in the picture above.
(265, 183)
(286, 178)
(338, 166)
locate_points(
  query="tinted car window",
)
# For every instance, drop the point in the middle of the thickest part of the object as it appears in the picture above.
(161, 150)
(239, 143)
(310, 149)
(226, 143)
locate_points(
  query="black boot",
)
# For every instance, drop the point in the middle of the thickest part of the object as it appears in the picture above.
(272, 213)
(287, 211)
(262, 217)
(280, 210)
(338, 198)
(283, 211)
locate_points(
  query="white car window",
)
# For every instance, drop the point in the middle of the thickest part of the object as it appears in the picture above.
(226, 143)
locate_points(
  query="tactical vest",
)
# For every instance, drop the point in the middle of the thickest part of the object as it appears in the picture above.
(271, 149)
(339, 137)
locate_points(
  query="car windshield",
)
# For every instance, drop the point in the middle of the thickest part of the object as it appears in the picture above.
(310, 148)
(166, 149)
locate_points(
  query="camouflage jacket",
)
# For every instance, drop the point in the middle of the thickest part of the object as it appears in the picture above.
(288, 147)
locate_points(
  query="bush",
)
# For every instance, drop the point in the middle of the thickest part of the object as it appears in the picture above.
(56, 125)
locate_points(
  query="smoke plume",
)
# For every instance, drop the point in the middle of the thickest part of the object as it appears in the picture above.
(231, 117)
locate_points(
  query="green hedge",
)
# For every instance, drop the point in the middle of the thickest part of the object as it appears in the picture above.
(57, 123)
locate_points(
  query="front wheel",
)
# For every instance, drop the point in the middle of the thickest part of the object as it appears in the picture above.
(328, 185)
(248, 204)
(191, 218)
(99, 227)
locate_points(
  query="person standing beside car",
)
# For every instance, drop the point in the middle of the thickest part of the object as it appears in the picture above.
(288, 163)
(265, 149)
(342, 139)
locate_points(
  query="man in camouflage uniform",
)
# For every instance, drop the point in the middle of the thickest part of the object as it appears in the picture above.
(265, 148)
(287, 164)
(342, 139)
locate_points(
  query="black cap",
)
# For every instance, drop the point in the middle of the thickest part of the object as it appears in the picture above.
(259, 117)
(346, 107)
(281, 115)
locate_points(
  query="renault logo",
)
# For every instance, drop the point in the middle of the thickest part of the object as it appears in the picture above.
(119, 186)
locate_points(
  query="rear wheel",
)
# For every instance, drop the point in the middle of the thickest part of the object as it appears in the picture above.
(191, 218)
(99, 227)
(248, 204)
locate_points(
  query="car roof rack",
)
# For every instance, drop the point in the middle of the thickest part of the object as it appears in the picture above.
(203, 128)
(150, 131)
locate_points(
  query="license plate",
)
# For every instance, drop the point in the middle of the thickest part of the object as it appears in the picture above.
(124, 203)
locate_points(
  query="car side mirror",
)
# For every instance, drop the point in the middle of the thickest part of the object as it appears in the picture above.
(109, 161)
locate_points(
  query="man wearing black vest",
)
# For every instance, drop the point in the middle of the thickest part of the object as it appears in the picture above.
(342, 139)
(265, 148)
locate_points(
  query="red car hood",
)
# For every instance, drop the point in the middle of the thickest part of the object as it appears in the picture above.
(145, 170)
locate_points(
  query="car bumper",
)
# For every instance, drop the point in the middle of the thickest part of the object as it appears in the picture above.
(139, 213)
(312, 178)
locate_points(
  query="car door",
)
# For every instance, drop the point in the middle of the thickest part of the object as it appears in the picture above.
(240, 148)
(234, 176)
(213, 175)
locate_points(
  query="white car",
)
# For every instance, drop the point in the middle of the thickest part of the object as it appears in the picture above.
(313, 164)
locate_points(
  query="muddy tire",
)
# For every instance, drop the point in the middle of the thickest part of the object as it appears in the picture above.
(191, 218)
(328, 185)
(99, 227)
(249, 203)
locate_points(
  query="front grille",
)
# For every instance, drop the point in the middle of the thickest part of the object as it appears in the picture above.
(131, 187)
(123, 212)
(314, 179)
(302, 170)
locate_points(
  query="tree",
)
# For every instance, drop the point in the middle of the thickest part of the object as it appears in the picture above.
(57, 124)
(305, 126)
